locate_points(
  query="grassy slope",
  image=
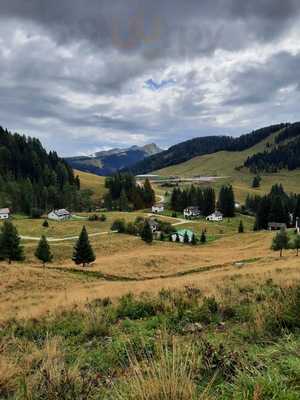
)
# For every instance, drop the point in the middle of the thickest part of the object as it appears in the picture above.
(223, 163)
(94, 182)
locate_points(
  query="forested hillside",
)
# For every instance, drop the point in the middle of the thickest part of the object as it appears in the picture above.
(204, 145)
(285, 155)
(33, 181)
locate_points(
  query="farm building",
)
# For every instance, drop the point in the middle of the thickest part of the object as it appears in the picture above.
(181, 233)
(216, 216)
(275, 226)
(191, 212)
(4, 213)
(158, 208)
(59, 215)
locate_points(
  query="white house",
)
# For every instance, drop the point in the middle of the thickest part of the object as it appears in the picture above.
(158, 208)
(59, 215)
(4, 213)
(216, 216)
(191, 212)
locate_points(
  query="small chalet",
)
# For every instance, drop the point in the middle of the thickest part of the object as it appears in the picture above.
(216, 216)
(4, 213)
(191, 212)
(181, 234)
(275, 226)
(158, 208)
(59, 215)
(154, 225)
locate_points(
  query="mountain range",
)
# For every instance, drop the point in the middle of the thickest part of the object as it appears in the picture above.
(107, 162)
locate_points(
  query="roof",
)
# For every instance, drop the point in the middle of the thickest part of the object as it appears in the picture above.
(158, 205)
(61, 212)
(277, 224)
(4, 211)
(217, 214)
(192, 209)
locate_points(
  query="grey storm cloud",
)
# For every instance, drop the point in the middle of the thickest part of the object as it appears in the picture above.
(102, 73)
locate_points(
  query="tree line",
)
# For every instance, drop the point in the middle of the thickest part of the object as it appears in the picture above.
(204, 199)
(124, 194)
(33, 181)
(277, 206)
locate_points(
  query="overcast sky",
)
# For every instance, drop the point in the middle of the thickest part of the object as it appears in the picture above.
(85, 75)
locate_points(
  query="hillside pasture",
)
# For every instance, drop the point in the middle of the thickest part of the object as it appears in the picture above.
(93, 182)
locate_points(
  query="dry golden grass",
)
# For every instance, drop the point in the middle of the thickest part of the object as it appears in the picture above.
(94, 182)
(26, 290)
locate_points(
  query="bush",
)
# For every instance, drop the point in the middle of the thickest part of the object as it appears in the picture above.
(132, 229)
(135, 308)
(46, 224)
(103, 218)
(93, 217)
(119, 225)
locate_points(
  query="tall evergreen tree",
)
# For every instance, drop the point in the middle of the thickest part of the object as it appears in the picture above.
(83, 251)
(10, 247)
(123, 201)
(43, 252)
(149, 194)
(203, 237)
(241, 227)
(280, 241)
(146, 233)
(186, 237)
(226, 203)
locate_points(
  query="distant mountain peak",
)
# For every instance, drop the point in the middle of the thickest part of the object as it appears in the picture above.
(106, 162)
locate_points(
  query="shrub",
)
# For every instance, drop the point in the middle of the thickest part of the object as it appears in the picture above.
(97, 322)
(135, 308)
(46, 224)
(93, 217)
(103, 218)
(131, 229)
(119, 225)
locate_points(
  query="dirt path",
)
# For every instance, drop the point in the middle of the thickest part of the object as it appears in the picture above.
(36, 239)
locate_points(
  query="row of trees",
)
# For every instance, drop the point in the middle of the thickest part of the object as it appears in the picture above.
(125, 194)
(33, 181)
(11, 249)
(282, 241)
(277, 206)
(204, 199)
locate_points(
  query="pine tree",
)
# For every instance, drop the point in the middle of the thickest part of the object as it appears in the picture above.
(203, 237)
(226, 201)
(194, 240)
(123, 201)
(280, 241)
(186, 238)
(296, 244)
(149, 194)
(241, 227)
(83, 251)
(43, 252)
(146, 233)
(10, 247)
(45, 224)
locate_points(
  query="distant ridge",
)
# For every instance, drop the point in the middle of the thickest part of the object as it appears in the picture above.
(204, 145)
(107, 162)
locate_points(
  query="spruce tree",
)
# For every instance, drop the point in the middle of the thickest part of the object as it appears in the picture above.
(146, 233)
(83, 251)
(10, 247)
(280, 241)
(203, 237)
(45, 224)
(123, 201)
(43, 252)
(226, 201)
(186, 238)
(149, 194)
(241, 227)
(194, 240)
